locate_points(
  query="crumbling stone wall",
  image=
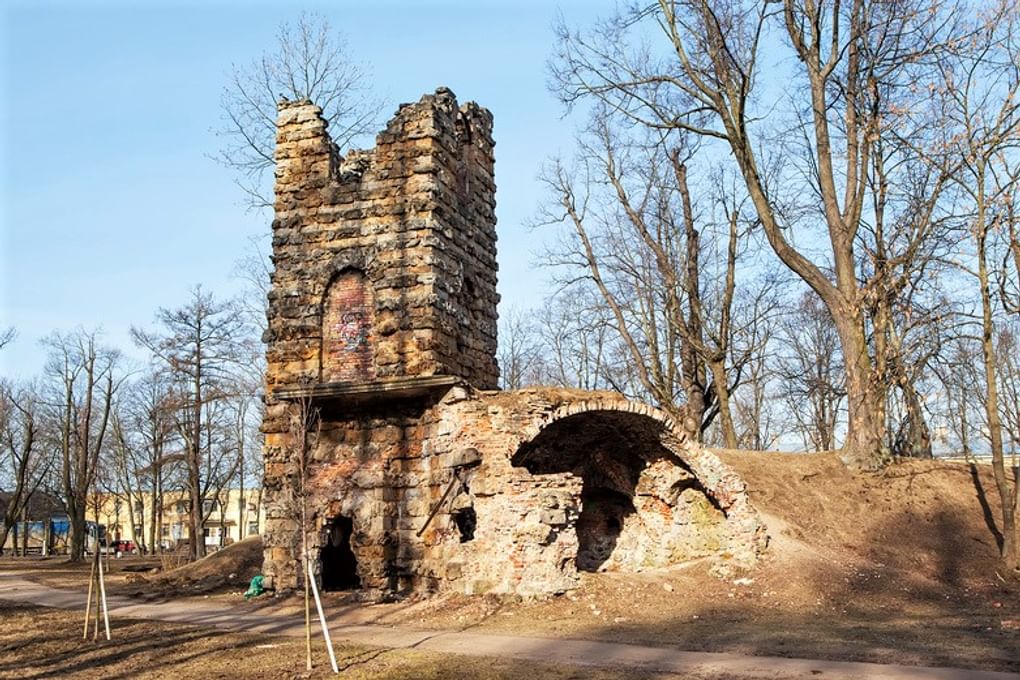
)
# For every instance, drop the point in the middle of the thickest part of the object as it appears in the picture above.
(415, 216)
(381, 362)
(539, 449)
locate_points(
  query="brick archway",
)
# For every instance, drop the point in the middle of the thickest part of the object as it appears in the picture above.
(348, 329)
(651, 428)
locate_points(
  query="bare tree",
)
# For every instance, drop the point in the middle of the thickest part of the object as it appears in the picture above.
(981, 118)
(7, 336)
(703, 81)
(520, 351)
(122, 468)
(575, 336)
(84, 379)
(810, 373)
(200, 344)
(311, 61)
(148, 410)
(957, 371)
(254, 269)
(664, 264)
(757, 420)
(1007, 354)
(245, 413)
(23, 462)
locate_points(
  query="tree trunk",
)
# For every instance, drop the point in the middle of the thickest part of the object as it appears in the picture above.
(76, 519)
(915, 439)
(24, 533)
(241, 506)
(692, 377)
(131, 519)
(1007, 496)
(156, 516)
(865, 447)
(693, 364)
(722, 395)
(196, 537)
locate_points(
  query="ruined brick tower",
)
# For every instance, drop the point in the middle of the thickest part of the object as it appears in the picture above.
(381, 376)
(385, 261)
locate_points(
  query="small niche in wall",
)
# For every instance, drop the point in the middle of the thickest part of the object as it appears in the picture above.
(348, 321)
(465, 519)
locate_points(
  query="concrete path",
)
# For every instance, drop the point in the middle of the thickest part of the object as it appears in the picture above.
(576, 652)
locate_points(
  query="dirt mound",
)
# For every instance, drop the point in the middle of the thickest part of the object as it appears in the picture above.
(931, 524)
(228, 569)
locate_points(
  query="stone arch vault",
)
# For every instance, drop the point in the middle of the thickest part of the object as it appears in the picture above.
(571, 481)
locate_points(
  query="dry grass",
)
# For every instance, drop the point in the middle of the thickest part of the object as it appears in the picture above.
(47, 643)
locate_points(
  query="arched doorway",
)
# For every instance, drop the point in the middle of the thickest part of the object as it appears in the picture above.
(640, 504)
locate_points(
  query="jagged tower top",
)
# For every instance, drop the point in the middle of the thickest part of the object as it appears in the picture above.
(385, 259)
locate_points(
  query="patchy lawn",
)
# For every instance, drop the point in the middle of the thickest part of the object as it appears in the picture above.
(47, 643)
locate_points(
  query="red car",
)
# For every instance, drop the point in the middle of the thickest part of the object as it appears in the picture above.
(123, 547)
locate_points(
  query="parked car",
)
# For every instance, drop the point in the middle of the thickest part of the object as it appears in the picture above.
(123, 547)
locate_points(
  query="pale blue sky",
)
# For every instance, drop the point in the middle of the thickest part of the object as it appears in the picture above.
(109, 203)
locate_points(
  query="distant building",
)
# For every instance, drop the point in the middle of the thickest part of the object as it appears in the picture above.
(229, 517)
(46, 528)
(42, 528)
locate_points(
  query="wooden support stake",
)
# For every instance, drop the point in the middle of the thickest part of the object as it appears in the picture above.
(88, 602)
(308, 620)
(322, 618)
(98, 564)
(102, 592)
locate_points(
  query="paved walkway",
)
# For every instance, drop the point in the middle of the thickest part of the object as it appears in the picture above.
(576, 652)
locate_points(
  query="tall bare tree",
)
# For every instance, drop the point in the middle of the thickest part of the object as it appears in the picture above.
(809, 370)
(758, 421)
(84, 378)
(520, 351)
(980, 102)
(148, 409)
(703, 77)
(23, 462)
(311, 61)
(200, 344)
(576, 343)
(638, 238)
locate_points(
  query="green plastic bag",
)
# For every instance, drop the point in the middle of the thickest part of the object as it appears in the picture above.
(255, 588)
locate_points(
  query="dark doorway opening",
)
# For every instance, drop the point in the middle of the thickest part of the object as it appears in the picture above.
(603, 513)
(339, 565)
(608, 450)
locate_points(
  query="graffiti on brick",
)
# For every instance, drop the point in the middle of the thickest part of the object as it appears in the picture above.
(352, 331)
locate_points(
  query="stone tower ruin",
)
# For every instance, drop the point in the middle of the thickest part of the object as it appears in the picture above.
(383, 421)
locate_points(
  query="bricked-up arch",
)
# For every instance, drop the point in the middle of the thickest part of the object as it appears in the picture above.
(348, 329)
(633, 462)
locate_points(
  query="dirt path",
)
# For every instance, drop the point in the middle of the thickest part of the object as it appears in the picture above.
(578, 652)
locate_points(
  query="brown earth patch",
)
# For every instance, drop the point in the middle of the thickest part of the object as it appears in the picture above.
(45, 643)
